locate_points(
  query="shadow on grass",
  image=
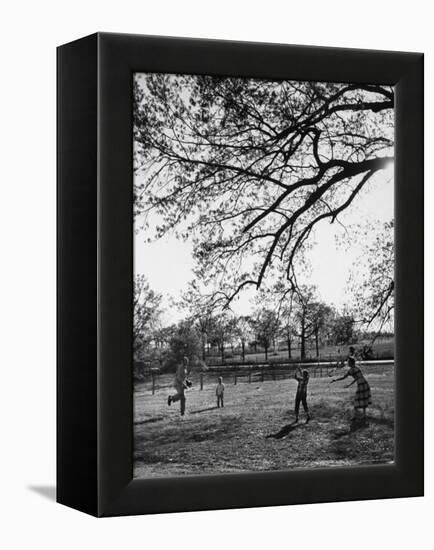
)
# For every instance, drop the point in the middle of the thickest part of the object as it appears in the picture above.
(174, 435)
(360, 424)
(287, 429)
(389, 422)
(149, 420)
(203, 410)
(341, 433)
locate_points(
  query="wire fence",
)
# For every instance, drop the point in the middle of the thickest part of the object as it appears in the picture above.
(282, 359)
(155, 381)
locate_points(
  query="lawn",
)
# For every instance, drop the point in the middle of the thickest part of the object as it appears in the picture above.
(255, 430)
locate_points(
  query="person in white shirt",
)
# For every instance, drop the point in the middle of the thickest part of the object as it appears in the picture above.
(220, 391)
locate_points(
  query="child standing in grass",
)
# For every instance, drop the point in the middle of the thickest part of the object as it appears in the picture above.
(219, 391)
(302, 378)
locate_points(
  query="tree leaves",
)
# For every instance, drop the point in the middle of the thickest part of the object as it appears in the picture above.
(247, 168)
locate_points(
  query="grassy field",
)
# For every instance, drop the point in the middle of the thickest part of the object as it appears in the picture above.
(255, 430)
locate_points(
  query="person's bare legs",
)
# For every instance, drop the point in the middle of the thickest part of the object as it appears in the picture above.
(180, 396)
(297, 405)
(305, 407)
(354, 420)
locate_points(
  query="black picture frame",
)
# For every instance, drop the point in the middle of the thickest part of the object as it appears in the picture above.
(95, 274)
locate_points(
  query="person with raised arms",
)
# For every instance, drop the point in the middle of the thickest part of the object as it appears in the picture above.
(362, 398)
(181, 383)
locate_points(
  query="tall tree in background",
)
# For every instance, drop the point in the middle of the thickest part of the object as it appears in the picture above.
(304, 300)
(279, 297)
(243, 330)
(266, 327)
(250, 167)
(374, 298)
(320, 315)
(184, 341)
(200, 312)
(146, 312)
(342, 329)
(222, 329)
(288, 326)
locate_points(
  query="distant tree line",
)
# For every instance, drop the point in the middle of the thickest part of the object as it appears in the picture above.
(274, 324)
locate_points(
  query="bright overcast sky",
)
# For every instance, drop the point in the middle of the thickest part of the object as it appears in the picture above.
(167, 263)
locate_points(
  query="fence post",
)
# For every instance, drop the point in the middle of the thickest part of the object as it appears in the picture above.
(250, 375)
(235, 380)
(201, 380)
(153, 383)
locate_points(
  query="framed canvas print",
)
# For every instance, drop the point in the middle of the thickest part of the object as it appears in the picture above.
(240, 274)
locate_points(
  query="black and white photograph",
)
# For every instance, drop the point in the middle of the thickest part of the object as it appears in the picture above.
(263, 330)
(217, 260)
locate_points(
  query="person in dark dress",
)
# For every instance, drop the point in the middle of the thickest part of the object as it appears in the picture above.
(362, 398)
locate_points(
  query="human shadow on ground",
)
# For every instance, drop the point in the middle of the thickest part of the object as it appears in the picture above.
(149, 420)
(203, 410)
(360, 424)
(288, 428)
(354, 426)
(390, 422)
